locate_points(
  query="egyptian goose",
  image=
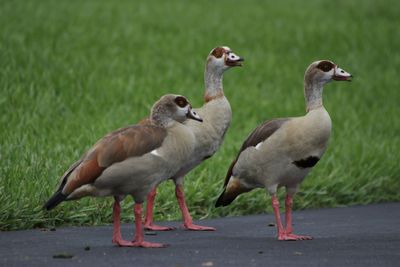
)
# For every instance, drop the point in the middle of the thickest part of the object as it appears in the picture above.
(281, 152)
(216, 113)
(131, 161)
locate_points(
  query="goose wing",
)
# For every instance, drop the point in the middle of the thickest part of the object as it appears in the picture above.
(258, 135)
(132, 141)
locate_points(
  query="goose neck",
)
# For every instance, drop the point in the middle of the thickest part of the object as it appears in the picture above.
(313, 95)
(213, 82)
(162, 121)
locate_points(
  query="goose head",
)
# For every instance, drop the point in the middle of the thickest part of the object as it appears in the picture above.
(171, 108)
(324, 71)
(223, 58)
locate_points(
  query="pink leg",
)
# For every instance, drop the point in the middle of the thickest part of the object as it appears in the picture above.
(279, 226)
(288, 218)
(148, 222)
(139, 236)
(288, 213)
(187, 219)
(117, 238)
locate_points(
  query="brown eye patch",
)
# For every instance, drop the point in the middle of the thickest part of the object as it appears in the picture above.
(181, 101)
(218, 52)
(325, 66)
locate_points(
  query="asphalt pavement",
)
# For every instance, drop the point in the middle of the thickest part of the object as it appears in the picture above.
(351, 236)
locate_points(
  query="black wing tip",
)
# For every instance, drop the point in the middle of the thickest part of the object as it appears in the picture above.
(223, 201)
(219, 201)
(56, 199)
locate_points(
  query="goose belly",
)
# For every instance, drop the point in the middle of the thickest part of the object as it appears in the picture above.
(258, 170)
(291, 176)
(209, 134)
(277, 162)
(135, 176)
(207, 143)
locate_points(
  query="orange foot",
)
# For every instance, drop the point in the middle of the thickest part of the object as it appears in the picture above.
(153, 227)
(122, 243)
(145, 244)
(293, 237)
(194, 227)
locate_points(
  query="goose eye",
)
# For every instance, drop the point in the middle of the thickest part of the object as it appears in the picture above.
(325, 66)
(181, 101)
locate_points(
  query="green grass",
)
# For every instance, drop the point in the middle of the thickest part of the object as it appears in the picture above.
(71, 71)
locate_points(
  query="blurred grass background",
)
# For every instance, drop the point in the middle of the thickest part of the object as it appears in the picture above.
(71, 71)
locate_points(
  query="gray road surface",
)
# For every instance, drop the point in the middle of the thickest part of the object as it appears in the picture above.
(353, 236)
